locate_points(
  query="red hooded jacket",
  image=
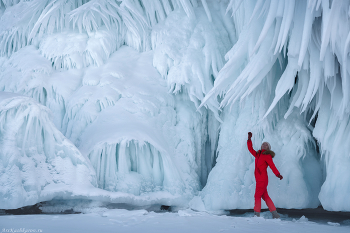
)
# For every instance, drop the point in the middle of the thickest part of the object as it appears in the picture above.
(262, 161)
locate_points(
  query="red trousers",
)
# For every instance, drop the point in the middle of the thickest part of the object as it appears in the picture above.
(261, 192)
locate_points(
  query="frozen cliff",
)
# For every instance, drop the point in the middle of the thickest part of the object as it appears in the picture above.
(150, 101)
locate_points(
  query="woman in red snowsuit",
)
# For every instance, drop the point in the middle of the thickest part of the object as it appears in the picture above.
(263, 159)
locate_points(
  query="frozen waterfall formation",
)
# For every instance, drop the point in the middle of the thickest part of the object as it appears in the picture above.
(150, 101)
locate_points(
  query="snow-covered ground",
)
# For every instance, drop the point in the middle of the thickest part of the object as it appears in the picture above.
(147, 102)
(121, 220)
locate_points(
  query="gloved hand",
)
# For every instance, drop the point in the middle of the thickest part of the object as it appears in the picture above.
(250, 135)
(279, 176)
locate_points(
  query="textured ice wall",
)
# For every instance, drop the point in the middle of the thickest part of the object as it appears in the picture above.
(124, 89)
(37, 162)
(190, 68)
(333, 133)
(311, 39)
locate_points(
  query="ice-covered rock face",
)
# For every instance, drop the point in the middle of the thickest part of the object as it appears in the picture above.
(333, 133)
(142, 89)
(37, 163)
(115, 106)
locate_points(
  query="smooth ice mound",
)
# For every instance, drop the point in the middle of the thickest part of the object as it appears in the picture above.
(37, 162)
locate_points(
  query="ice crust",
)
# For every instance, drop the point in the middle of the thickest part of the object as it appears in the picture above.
(150, 102)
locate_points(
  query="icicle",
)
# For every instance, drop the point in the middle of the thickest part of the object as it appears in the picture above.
(269, 20)
(309, 18)
(285, 25)
(230, 5)
(207, 11)
(186, 5)
(345, 75)
(285, 83)
(156, 167)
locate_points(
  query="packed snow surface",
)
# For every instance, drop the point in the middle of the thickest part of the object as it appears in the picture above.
(104, 220)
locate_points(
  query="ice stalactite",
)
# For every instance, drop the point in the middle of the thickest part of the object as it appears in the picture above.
(129, 167)
(37, 162)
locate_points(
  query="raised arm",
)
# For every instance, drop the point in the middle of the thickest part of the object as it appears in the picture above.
(250, 145)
